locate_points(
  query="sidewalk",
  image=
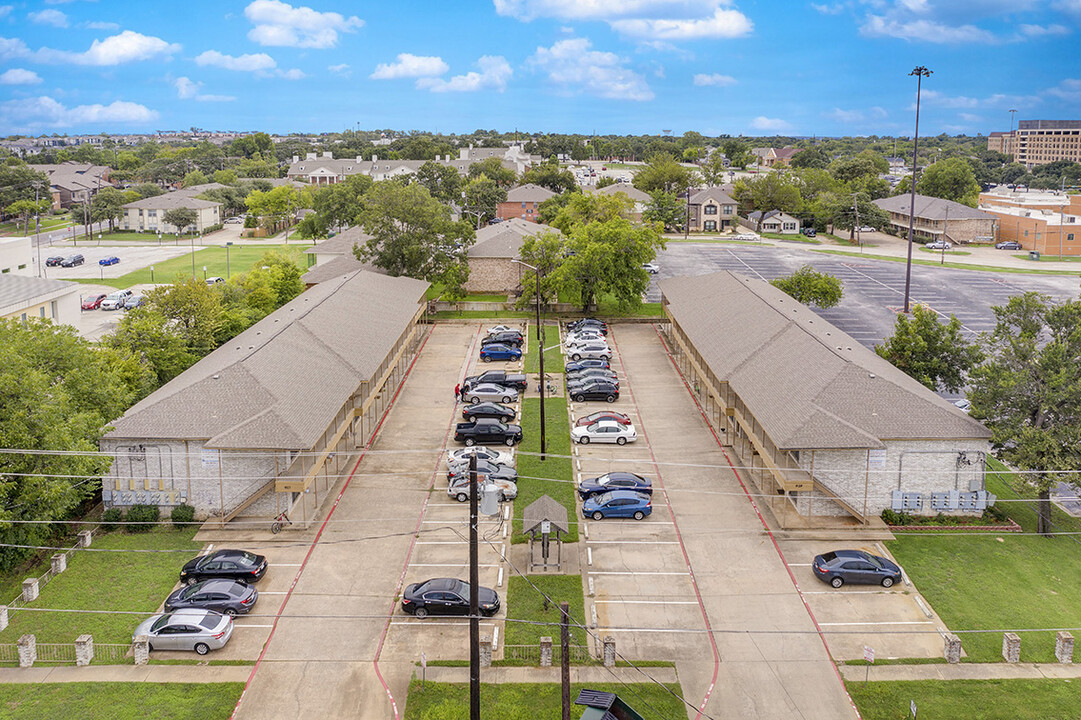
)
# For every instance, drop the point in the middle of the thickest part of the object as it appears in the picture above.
(962, 671)
(127, 673)
(579, 674)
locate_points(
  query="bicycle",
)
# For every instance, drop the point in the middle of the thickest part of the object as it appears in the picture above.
(279, 522)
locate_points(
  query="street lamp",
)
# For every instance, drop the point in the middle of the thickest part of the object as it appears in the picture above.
(920, 72)
(151, 274)
(540, 349)
(227, 246)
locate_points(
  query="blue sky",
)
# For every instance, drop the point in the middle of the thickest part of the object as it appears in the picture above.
(753, 67)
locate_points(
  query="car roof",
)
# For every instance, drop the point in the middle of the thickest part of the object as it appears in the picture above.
(620, 474)
(627, 494)
(610, 423)
(859, 554)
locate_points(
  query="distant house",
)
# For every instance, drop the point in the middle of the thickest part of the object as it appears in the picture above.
(334, 257)
(73, 182)
(524, 202)
(325, 169)
(774, 157)
(774, 221)
(939, 219)
(640, 199)
(711, 210)
(491, 266)
(148, 214)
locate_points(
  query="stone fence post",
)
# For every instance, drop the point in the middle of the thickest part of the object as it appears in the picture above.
(1011, 647)
(85, 538)
(485, 650)
(952, 648)
(30, 589)
(546, 652)
(3, 617)
(140, 648)
(1064, 647)
(28, 651)
(59, 563)
(84, 650)
(609, 651)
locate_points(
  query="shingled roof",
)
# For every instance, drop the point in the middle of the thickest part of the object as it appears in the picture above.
(931, 208)
(504, 240)
(809, 384)
(529, 193)
(280, 383)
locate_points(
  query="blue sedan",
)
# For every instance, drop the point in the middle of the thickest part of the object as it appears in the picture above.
(111, 260)
(499, 351)
(618, 504)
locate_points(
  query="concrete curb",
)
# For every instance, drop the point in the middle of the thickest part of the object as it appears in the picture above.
(128, 673)
(962, 671)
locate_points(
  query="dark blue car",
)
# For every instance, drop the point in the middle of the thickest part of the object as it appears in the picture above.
(618, 504)
(855, 566)
(583, 364)
(499, 351)
(111, 260)
(591, 487)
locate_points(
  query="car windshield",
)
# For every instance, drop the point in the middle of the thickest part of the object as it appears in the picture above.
(874, 561)
(604, 499)
(210, 621)
(190, 590)
(160, 622)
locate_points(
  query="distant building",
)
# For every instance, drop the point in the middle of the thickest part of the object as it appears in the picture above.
(73, 182)
(334, 258)
(491, 257)
(524, 202)
(640, 200)
(1048, 222)
(148, 214)
(938, 219)
(1037, 142)
(23, 297)
(325, 169)
(774, 221)
(711, 210)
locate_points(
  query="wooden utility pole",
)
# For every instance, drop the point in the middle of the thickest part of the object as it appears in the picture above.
(474, 600)
(565, 659)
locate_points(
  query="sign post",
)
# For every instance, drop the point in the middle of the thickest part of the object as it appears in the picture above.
(869, 656)
(423, 669)
(912, 707)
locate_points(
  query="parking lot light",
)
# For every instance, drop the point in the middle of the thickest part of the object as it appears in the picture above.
(920, 72)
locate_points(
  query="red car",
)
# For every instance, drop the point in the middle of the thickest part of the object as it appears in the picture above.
(92, 302)
(603, 415)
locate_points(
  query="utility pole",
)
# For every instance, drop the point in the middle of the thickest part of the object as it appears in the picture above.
(687, 216)
(859, 235)
(37, 226)
(565, 659)
(1011, 147)
(474, 592)
(945, 235)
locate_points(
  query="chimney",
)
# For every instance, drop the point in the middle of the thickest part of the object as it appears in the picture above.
(375, 158)
(360, 158)
(295, 158)
(309, 156)
(328, 154)
(463, 153)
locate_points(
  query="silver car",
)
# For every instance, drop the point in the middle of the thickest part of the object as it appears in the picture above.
(116, 300)
(485, 392)
(460, 458)
(591, 350)
(459, 488)
(198, 630)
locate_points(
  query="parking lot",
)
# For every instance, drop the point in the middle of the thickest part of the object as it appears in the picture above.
(132, 257)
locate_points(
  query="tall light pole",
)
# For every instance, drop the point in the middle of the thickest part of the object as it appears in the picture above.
(540, 350)
(920, 72)
(1011, 140)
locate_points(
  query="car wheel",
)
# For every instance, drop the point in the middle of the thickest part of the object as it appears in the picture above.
(230, 612)
(470, 442)
(150, 647)
(487, 358)
(837, 582)
(579, 398)
(611, 398)
(507, 418)
(461, 497)
(639, 515)
(576, 357)
(191, 581)
(420, 613)
(202, 648)
(510, 442)
(621, 441)
(502, 497)
(474, 400)
(887, 582)
(584, 440)
(507, 400)
(598, 515)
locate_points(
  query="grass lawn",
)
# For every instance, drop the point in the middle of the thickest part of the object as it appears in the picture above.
(939, 252)
(800, 238)
(1048, 257)
(241, 258)
(120, 700)
(984, 699)
(553, 476)
(536, 701)
(130, 581)
(995, 581)
(553, 357)
(959, 266)
(525, 603)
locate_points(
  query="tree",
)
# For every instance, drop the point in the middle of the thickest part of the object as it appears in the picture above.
(412, 233)
(812, 157)
(546, 252)
(180, 218)
(1012, 172)
(155, 341)
(223, 177)
(493, 169)
(195, 177)
(662, 172)
(192, 307)
(274, 206)
(811, 287)
(934, 353)
(845, 208)
(483, 195)
(443, 181)
(666, 209)
(146, 190)
(712, 169)
(736, 152)
(339, 204)
(549, 175)
(1028, 392)
(581, 209)
(770, 191)
(606, 181)
(108, 204)
(850, 169)
(26, 209)
(18, 181)
(951, 179)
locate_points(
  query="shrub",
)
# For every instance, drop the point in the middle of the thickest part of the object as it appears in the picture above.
(145, 515)
(110, 518)
(182, 515)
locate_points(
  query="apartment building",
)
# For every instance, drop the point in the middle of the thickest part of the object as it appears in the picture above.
(1037, 142)
(1048, 222)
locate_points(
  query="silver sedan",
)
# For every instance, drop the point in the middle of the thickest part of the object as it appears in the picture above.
(489, 392)
(198, 630)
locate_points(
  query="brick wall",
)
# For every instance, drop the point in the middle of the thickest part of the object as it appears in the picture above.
(492, 275)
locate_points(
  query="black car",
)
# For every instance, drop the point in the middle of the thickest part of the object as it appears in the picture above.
(614, 481)
(1008, 245)
(596, 390)
(599, 325)
(485, 470)
(228, 564)
(855, 566)
(488, 410)
(507, 337)
(486, 431)
(446, 596)
(585, 374)
(584, 364)
(72, 260)
(809, 231)
(54, 261)
(225, 596)
(574, 383)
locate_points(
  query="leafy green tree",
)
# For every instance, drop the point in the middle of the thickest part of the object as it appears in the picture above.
(737, 152)
(932, 352)
(606, 181)
(443, 181)
(662, 172)
(666, 209)
(108, 204)
(224, 177)
(282, 274)
(311, 227)
(549, 209)
(712, 169)
(810, 287)
(181, 218)
(844, 213)
(274, 207)
(155, 341)
(493, 169)
(951, 179)
(195, 177)
(1012, 172)
(193, 308)
(18, 181)
(338, 205)
(412, 232)
(546, 252)
(849, 169)
(483, 195)
(1028, 392)
(812, 157)
(24, 210)
(581, 209)
(549, 175)
(768, 191)
(146, 190)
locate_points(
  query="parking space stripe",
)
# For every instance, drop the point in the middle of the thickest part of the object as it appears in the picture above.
(634, 572)
(880, 622)
(647, 602)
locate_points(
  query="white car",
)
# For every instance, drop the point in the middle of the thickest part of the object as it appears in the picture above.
(502, 328)
(938, 245)
(865, 228)
(747, 236)
(459, 458)
(964, 405)
(605, 431)
(651, 268)
(577, 337)
(590, 351)
(116, 300)
(459, 489)
(233, 221)
(485, 392)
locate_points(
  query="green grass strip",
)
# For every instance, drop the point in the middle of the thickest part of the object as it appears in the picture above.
(119, 700)
(984, 699)
(553, 476)
(525, 603)
(958, 266)
(553, 357)
(240, 259)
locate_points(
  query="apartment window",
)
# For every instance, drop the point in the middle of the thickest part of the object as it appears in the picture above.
(709, 210)
(41, 310)
(729, 209)
(523, 206)
(1069, 237)
(152, 213)
(52, 308)
(710, 225)
(5, 271)
(23, 266)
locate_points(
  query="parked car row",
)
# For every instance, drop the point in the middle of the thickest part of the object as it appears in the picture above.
(119, 300)
(66, 260)
(588, 373)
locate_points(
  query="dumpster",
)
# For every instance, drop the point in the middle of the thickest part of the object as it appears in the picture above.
(1033, 254)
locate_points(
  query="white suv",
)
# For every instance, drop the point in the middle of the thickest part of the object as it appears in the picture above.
(116, 300)
(590, 351)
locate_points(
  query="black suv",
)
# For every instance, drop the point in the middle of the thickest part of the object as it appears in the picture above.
(54, 261)
(507, 337)
(72, 260)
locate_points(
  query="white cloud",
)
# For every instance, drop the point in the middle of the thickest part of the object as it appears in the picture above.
(572, 66)
(1068, 89)
(187, 89)
(19, 76)
(100, 25)
(343, 69)
(49, 17)
(714, 79)
(282, 25)
(1070, 6)
(764, 123)
(846, 116)
(969, 117)
(5, 10)
(13, 48)
(126, 47)
(243, 63)
(494, 73)
(829, 9)
(723, 24)
(934, 97)
(410, 66)
(1035, 31)
(293, 74)
(45, 112)
(924, 30)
